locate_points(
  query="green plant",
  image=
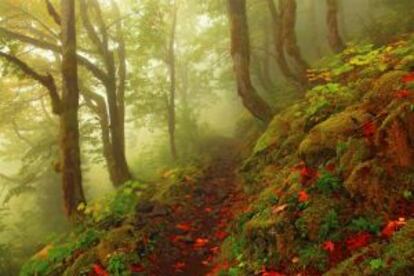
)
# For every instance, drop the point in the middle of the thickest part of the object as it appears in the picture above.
(87, 239)
(362, 224)
(376, 264)
(117, 264)
(329, 223)
(328, 183)
(315, 256)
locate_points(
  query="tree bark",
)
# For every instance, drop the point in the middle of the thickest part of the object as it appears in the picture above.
(288, 17)
(279, 43)
(334, 37)
(69, 128)
(240, 52)
(172, 70)
(115, 90)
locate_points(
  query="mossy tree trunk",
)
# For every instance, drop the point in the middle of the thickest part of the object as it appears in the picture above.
(240, 52)
(69, 124)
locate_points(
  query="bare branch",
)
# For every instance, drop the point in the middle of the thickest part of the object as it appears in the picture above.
(53, 13)
(45, 80)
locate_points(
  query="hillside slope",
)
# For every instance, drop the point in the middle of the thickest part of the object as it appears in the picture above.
(328, 190)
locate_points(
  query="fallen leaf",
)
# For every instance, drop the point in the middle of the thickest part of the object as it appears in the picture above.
(369, 129)
(402, 94)
(358, 240)
(183, 227)
(408, 78)
(99, 270)
(328, 246)
(392, 227)
(221, 235)
(178, 266)
(279, 209)
(136, 268)
(208, 209)
(303, 196)
(200, 242)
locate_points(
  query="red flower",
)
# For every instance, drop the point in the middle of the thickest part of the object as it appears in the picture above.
(99, 270)
(358, 240)
(392, 227)
(179, 266)
(183, 227)
(328, 246)
(303, 196)
(369, 129)
(402, 94)
(408, 78)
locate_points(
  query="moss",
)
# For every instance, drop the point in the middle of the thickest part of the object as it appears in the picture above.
(320, 144)
(314, 216)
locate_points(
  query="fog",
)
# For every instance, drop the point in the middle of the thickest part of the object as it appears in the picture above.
(207, 105)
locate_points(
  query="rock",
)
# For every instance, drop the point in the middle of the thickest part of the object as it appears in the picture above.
(145, 207)
(320, 144)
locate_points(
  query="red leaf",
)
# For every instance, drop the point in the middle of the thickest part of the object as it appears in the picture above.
(136, 268)
(303, 196)
(266, 272)
(330, 167)
(329, 246)
(307, 174)
(200, 242)
(402, 94)
(408, 78)
(221, 235)
(179, 266)
(369, 129)
(357, 241)
(183, 227)
(392, 227)
(99, 270)
(208, 209)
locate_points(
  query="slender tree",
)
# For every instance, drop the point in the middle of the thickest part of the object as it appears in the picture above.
(334, 37)
(240, 52)
(171, 62)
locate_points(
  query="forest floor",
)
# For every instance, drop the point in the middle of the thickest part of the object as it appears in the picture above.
(197, 225)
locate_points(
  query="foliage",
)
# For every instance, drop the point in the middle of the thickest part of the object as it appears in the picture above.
(362, 224)
(117, 264)
(329, 224)
(314, 256)
(328, 183)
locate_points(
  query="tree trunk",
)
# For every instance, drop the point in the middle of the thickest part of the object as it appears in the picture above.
(288, 17)
(114, 83)
(334, 37)
(240, 52)
(279, 43)
(172, 69)
(69, 128)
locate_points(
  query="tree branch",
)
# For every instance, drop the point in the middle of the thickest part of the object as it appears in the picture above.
(45, 80)
(98, 73)
(53, 13)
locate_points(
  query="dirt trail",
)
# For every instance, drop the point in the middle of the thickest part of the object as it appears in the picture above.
(197, 227)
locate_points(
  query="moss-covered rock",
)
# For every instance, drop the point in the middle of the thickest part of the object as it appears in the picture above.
(320, 144)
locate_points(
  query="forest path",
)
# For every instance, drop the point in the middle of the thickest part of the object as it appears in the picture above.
(197, 227)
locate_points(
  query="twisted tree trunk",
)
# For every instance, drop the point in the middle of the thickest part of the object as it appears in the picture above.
(240, 52)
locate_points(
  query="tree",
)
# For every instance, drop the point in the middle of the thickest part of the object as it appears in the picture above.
(69, 105)
(240, 52)
(288, 24)
(110, 108)
(334, 37)
(172, 70)
(66, 107)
